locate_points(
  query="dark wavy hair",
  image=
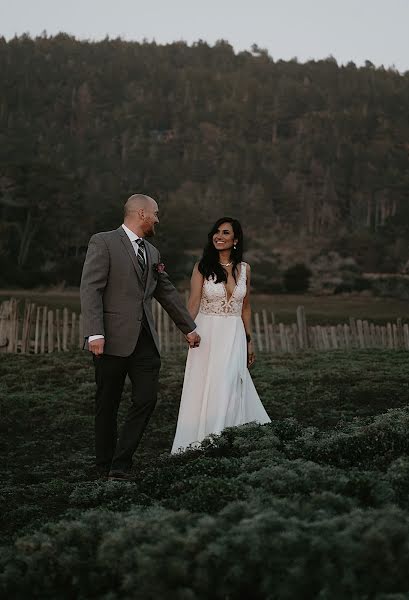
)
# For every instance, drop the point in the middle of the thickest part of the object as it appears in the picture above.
(209, 265)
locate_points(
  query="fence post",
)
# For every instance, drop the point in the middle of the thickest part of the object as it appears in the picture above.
(367, 334)
(271, 332)
(378, 336)
(5, 326)
(50, 332)
(295, 337)
(389, 335)
(37, 330)
(13, 326)
(334, 340)
(361, 337)
(73, 328)
(354, 333)
(400, 332)
(406, 336)
(288, 340)
(325, 338)
(65, 329)
(30, 327)
(265, 328)
(340, 336)
(395, 337)
(347, 335)
(283, 340)
(302, 328)
(372, 332)
(43, 330)
(57, 326)
(25, 336)
(312, 336)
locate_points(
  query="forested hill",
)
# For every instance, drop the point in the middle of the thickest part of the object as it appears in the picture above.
(311, 154)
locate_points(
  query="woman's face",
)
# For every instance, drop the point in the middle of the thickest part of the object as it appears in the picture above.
(223, 239)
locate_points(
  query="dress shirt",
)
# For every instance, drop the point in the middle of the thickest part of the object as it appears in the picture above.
(134, 238)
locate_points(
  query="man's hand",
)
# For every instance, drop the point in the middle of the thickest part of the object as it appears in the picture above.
(193, 339)
(97, 346)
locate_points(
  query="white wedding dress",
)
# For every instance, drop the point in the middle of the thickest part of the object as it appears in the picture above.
(218, 391)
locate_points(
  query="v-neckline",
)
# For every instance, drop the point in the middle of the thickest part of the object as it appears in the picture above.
(234, 289)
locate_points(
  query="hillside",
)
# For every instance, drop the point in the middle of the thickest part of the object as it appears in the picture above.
(311, 157)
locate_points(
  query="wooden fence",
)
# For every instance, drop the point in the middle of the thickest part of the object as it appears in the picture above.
(27, 328)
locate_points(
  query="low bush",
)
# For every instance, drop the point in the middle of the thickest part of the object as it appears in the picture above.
(313, 505)
(242, 552)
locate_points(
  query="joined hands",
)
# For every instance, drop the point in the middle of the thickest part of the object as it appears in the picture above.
(193, 339)
(97, 346)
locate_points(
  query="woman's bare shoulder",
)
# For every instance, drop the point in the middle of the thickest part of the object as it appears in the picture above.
(196, 271)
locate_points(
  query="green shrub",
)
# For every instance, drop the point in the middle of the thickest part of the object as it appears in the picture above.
(313, 505)
(369, 445)
(241, 552)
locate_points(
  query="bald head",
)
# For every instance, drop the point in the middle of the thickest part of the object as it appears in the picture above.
(141, 214)
(137, 202)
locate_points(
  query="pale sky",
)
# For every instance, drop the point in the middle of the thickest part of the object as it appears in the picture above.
(377, 30)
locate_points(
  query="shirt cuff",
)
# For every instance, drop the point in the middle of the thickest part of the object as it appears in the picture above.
(91, 338)
(195, 329)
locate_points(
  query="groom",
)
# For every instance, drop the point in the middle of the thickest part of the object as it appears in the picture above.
(122, 273)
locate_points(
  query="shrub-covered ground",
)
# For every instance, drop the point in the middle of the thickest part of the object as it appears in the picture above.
(315, 505)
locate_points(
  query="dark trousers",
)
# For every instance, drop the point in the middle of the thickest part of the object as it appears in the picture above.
(143, 367)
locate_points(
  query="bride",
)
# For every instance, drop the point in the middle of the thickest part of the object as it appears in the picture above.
(218, 391)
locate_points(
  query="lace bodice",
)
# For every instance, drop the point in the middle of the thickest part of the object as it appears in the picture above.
(214, 297)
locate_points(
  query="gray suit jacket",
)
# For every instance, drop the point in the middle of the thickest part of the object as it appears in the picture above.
(115, 293)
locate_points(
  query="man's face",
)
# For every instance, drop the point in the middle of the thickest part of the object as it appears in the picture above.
(150, 218)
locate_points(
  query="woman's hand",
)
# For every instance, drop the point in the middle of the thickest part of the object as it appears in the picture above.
(251, 357)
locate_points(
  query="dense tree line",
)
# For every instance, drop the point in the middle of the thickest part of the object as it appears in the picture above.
(309, 156)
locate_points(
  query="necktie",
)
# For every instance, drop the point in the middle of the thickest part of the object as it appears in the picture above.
(141, 257)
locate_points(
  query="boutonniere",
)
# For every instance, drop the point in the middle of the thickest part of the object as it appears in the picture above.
(158, 267)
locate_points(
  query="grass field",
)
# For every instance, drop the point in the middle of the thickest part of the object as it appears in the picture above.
(334, 309)
(315, 505)
(319, 309)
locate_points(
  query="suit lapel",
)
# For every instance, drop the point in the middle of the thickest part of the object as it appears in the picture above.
(131, 252)
(149, 269)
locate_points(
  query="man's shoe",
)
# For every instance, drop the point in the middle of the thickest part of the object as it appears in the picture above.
(120, 476)
(101, 473)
